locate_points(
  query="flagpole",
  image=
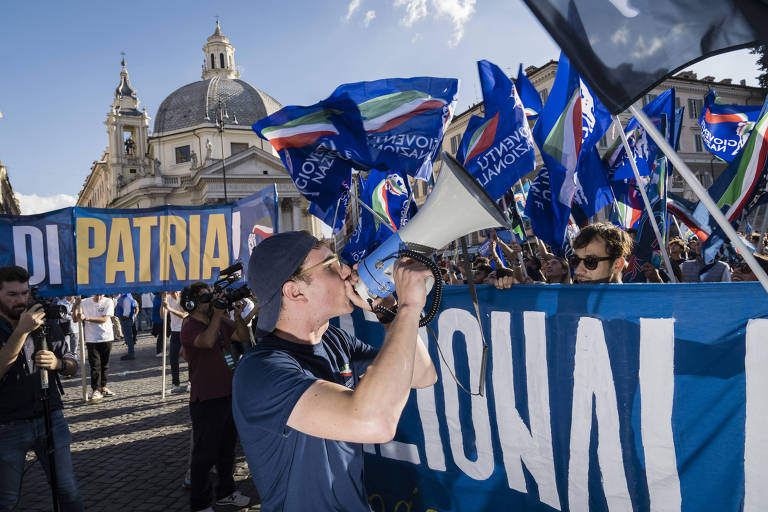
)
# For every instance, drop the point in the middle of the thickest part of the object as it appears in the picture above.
(648, 209)
(762, 231)
(520, 254)
(702, 194)
(677, 224)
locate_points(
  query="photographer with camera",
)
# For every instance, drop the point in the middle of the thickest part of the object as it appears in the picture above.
(22, 410)
(206, 335)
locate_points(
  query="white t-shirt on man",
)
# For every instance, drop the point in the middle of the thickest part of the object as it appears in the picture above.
(176, 321)
(96, 332)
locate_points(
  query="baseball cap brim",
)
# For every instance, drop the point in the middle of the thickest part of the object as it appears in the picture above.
(268, 316)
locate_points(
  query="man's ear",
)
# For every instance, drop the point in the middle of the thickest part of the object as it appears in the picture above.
(293, 292)
(619, 265)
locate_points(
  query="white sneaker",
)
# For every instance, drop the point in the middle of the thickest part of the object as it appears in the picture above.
(237, 499)
(105, 391)
(96, 395)
(159, 354)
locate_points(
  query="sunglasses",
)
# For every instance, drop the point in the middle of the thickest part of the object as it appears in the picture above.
(590, 262)
(325, 263)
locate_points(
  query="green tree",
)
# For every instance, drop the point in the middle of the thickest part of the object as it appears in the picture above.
(762, 64)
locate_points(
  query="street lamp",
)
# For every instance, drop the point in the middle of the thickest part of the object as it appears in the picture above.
(221, 114)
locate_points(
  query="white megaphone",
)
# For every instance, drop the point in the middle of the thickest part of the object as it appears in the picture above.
(458, 205)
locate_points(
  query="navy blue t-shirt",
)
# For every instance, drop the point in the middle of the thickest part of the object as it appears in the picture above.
(291, 470)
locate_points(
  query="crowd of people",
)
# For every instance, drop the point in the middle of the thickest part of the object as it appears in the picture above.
(295, 398)
(600, 253)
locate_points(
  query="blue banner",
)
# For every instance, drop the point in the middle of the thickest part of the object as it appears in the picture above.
(82, 251)
(598, 397)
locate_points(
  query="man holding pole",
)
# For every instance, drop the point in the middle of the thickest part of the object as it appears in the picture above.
(22, 411)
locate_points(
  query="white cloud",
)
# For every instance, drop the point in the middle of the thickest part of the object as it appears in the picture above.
(369, 16)
(459, 11)
(414, 10)
(353, 6)
(33, 203)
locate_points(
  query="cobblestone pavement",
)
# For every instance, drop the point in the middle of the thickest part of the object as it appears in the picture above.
(130, 451)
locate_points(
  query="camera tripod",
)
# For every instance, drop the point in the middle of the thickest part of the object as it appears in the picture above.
(40, 337)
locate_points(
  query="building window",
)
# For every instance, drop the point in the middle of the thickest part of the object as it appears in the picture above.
(132, 171)
(694, 108)
(182, 154)
(677, 102)
(544, 93)
(237, 147)
(706, 180)
(213, 61)
(221, 60)
(649, 98)
(230, 61)
(697, 143)
(455, 141)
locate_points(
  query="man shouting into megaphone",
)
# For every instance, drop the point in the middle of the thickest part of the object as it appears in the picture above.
(300, 403)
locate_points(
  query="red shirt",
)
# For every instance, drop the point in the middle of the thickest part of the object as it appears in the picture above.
(208, 372)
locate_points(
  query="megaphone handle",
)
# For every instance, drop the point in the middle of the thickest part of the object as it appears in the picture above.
(389, 314)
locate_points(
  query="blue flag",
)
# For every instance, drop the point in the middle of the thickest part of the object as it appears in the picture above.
(661, 111)
(726, 128)
(498, 149)
(404, 120)
(570, 124)
(528, 95)
(389, 195)
(310, 140)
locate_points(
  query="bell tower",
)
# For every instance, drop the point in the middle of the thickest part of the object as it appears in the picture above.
(219, 60)
(127, 127)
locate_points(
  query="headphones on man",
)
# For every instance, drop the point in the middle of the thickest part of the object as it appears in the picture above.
(189, 301)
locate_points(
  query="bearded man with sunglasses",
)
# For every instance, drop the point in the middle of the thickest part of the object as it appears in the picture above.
(300, 401)
(600, 253)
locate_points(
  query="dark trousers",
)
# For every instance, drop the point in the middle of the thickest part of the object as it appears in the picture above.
(174, 356)
(213, 442)
(98, 359)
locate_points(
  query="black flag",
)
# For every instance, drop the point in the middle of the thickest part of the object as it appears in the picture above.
(624, 48)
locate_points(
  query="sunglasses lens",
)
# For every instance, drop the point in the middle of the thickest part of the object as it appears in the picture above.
(590, 262)
(573, 261)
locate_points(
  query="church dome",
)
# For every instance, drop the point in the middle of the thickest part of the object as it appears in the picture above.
(197, 103)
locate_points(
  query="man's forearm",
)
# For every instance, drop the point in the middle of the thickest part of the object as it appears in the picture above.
(387, 383)
(10, 351)
(424, 374)
(97, 319)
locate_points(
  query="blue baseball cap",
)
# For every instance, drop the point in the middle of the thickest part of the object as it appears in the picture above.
(272, 263)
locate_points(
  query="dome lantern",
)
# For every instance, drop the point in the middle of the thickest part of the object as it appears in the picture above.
(219, 57)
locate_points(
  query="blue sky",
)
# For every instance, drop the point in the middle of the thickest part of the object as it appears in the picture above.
(61, 63)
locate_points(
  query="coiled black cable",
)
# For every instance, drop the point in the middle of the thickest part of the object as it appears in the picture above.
(437, 296)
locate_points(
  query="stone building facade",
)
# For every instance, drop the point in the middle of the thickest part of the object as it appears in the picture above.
(201, 149)
(8, 203)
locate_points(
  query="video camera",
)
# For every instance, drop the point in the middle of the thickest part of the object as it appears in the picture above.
(224, 295)
(52, 310)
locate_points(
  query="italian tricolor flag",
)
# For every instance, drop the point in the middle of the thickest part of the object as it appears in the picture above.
(388, 111)
(482, 138)
(301, 131)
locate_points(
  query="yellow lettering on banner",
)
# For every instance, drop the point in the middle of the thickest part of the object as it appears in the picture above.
(171, 252)
(120, 234)
(215, 236)
(194, 247)
(84, 226)
(145, 225)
